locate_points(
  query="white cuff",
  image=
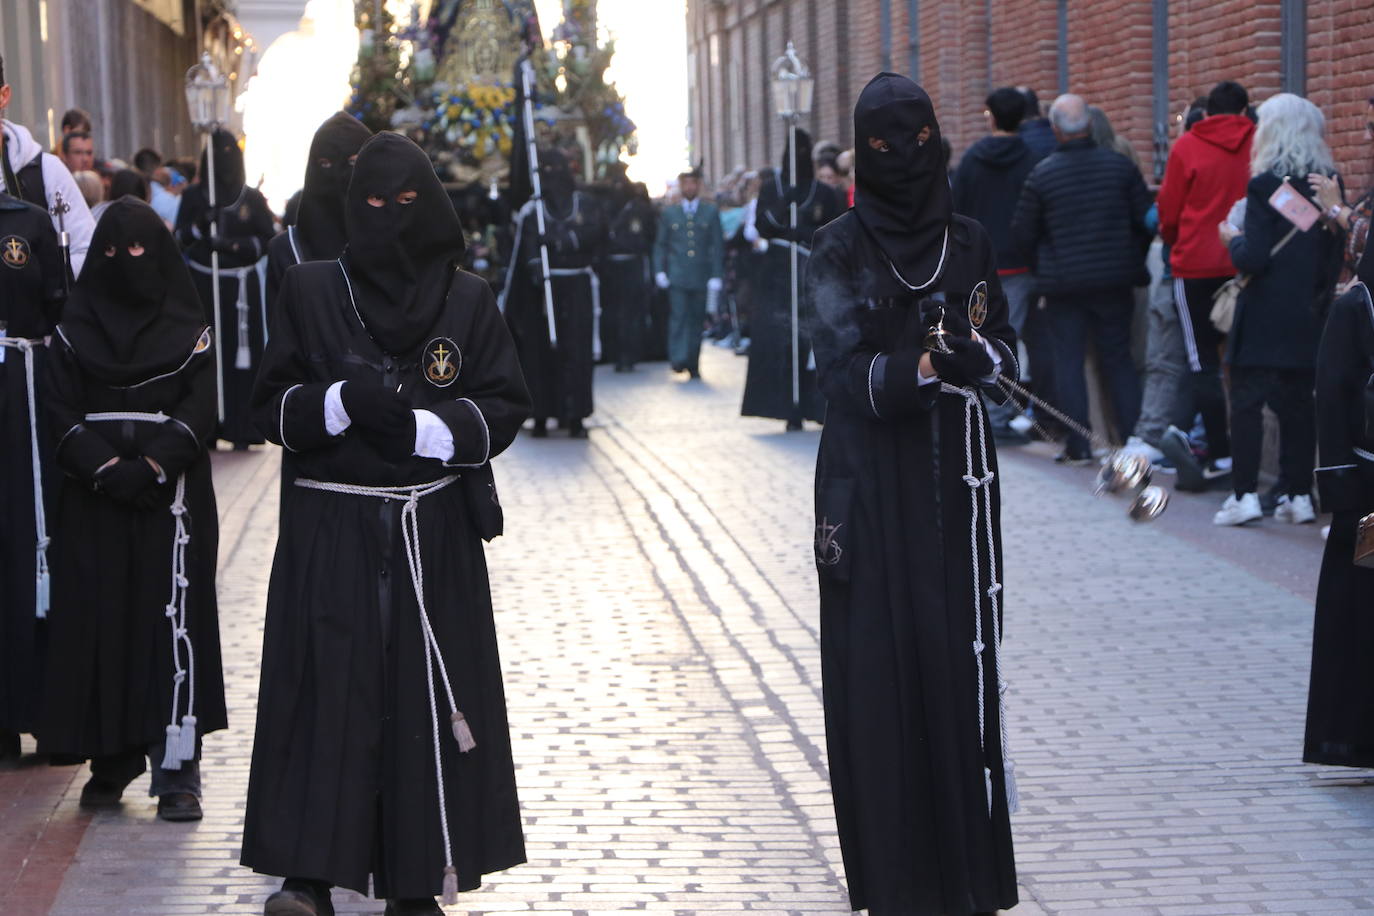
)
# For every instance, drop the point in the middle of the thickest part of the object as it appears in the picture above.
(715, 285)
(336, 419)
(433, 438)
(921, 380)
(661, 279)
(996, 356)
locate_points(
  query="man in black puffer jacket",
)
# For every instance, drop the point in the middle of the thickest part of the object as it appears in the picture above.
(1080, 224)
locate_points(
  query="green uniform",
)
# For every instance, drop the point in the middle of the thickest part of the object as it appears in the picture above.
(690, 250)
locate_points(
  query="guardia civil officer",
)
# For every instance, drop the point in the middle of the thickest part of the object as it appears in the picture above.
(382, 759)
(31, 295)
(689, 262)
(907, 537)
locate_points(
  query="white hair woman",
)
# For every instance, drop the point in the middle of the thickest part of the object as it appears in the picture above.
(1273, 342)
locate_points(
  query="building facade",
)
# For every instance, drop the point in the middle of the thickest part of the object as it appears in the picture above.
(124, 61)
(1142, 61)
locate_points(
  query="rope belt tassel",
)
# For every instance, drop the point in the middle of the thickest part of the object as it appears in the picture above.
(181, 734)
(462, 733)
(243, 355)
(979, 477)
(42, 578)
(595, 280)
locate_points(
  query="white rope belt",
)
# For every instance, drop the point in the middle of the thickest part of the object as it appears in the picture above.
(43, 580)
(410, 534)
(595, 280)
(803, 250)
(624, 257)
(1361, 453)
(243, 357)
(979, 477)
(181, 735)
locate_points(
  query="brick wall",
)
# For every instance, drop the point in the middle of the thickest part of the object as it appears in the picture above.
(1109, 62)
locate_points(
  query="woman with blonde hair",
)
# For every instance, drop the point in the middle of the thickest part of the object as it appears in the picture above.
(1273, 342)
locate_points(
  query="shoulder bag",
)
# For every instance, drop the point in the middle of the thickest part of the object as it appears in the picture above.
(1223, 314)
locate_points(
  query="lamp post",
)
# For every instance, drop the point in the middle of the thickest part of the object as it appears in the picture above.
(207, 102)
(793, 89)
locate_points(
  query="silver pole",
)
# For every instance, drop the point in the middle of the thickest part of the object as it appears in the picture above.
(214, 272)
(796, 342)
(532, 148)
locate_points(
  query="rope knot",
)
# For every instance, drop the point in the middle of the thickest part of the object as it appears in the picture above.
(183, 540)
(43, 543)
(978, 647)
(972, 481)
(179, 675)
(170, 610)
(178, 509)
(183, 582)
(995, 589)
(989, 478)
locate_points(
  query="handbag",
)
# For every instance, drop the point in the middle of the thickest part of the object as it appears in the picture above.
(1364, 542)
(1223, 314)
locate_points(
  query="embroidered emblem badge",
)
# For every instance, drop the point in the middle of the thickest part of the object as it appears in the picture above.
(443, 360)
(978, 304)
(636, 227)
(14, 251)
(828, 549)
(817, 213)
(204, 343)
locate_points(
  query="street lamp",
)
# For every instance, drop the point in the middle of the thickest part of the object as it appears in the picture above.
(207, 102)
(793, 89)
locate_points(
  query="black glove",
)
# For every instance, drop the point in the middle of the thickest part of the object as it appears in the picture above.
(968, 362)
(127, 480)
(398, 445)
(381, 416)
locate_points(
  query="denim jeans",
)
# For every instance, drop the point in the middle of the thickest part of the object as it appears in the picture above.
(1106, 316)
(1018, 289)
(1166, 364)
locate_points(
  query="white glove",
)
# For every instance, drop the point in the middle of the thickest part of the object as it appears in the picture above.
(661, 280)
(715, 285)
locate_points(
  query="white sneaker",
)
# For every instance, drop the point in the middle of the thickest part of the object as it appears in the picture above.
(1239, 511)
(1138, 446)
(1296, 510)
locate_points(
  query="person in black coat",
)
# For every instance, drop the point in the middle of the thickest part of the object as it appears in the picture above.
(134, 654)
(907, 552)
(1080, 224)
(382, 756)
(31, 294)
(1272, 347)
(625, 272)
(1340, 700)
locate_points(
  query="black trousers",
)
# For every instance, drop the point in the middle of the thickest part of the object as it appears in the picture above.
(1202, 341)
(1289, 393)
(1106, 316)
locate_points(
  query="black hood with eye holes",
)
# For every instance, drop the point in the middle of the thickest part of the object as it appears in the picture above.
(902, 196)
(229, 171)
(320, 221)
(400, 257)
(130, 318)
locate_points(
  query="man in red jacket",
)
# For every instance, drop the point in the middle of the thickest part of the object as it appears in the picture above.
(1207, 173)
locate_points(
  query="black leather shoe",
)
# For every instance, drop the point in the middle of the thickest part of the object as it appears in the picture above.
(299, 897)
(794, 426)
(576, 430)
(102, 793)
(541, 428)
(423, 906)
(179, 806)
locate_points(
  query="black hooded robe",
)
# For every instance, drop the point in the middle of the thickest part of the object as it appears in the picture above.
(921, 801)
(560, 379)
(245, 223)
(31, 293)
(318, 231)
(625, 278)
(343, 783)
(1340, 701)
(768, 386)
(110, 672)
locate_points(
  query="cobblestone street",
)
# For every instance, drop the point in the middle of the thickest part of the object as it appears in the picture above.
(657, 610)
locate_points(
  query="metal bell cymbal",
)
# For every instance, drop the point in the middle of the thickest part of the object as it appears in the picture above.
(1149, 504)
(1124, 471)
